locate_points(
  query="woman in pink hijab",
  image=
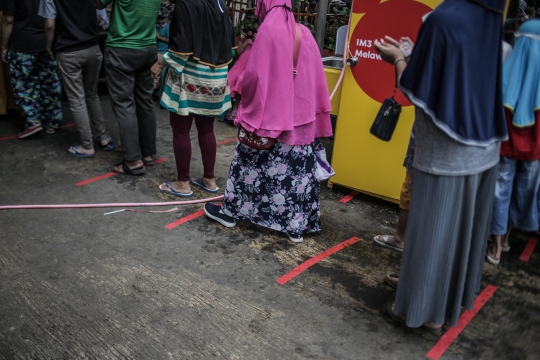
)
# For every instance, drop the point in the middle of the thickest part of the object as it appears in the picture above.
(276, 188)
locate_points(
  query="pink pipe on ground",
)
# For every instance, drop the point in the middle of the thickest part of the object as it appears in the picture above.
(112, 205)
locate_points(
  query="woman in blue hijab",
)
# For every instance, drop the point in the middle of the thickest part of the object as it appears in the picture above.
(454, 80)
(516, 192)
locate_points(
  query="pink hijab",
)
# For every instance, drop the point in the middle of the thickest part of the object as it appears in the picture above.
(293, 109)
(237, 71)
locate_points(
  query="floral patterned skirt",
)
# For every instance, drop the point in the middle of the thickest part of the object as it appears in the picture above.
(274, 188)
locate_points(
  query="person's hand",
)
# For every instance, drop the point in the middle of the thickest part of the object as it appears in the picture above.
(242, 36)
(5, 55)
(50, 52)
(388, 48)
(157, 69)
(408, 39)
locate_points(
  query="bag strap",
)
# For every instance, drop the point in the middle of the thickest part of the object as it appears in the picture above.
(296, 50)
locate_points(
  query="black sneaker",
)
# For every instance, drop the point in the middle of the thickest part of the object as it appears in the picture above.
(214, 213)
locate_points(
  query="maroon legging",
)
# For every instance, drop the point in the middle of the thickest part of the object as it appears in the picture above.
(181, 125)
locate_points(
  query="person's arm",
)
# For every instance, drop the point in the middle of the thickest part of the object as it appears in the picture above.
(7, 29)
(49, 35)
(389, 51)
(242, 44)
(161, 38)
(98, 4)
(157, 68)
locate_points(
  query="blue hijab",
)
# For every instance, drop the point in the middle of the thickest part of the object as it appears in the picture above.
(454, 73)
(521, 75)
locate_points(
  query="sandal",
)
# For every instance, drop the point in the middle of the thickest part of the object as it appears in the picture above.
(198, 182)
(127, 171)
(174, 192)
(388, 280)
(386, 242)
(109, 146)
(148, 162)
(401, 320)
(79, 154)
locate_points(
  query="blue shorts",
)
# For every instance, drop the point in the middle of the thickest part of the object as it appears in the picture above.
(517, 196)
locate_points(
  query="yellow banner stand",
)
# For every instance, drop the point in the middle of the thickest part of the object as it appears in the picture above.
(361, 161)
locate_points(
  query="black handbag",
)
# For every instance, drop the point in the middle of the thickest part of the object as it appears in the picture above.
(385, 123)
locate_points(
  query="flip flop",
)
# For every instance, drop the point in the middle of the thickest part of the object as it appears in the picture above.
(109, 146)
(127, 171)
(388, 280)
(401, 321)
(386, 243)
(198, 182)
(491, 260)
(174, 192)
(148, 162)
(78, 154)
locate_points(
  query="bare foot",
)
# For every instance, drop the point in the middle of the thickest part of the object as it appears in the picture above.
(178, 186)
(131, 164)
(82, 150)
(148, 158)
(493, 252)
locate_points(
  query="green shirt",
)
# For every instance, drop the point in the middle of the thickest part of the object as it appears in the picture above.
(132, 23)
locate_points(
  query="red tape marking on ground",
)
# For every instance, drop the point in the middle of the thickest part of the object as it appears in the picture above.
(529, 249)
(186, 219)
(109, 174)
(8, 137)
(160, 160)
(309, 263)
(444, 342)
(15, 136)
(94, 179)
(349, 197)
(227, 141)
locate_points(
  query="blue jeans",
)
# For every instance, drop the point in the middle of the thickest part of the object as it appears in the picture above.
(516, 196)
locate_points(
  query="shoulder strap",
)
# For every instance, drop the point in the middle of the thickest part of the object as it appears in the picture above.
(296, 51)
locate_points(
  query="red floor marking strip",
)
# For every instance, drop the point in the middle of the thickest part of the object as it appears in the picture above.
(529, 249)
(186, 219)
(160, 160)
(227, 141)
(444, 342)
(349, 197)
(15, 136)
(109, 174)
(97, 178)
(8, 137)
(309, 263)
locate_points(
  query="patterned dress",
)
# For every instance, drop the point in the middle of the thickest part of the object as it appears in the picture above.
(194, 88)
(37, 88)
(274, 188)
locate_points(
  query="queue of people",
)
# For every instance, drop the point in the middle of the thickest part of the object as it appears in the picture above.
(461, 184)
(472, 168)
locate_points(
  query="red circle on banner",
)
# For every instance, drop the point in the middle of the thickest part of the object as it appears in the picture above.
(363, 6)
(395, 18)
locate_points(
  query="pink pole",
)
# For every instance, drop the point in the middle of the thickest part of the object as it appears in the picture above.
(111, 205)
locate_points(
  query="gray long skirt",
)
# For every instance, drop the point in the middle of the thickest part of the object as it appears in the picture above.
(447, 233)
